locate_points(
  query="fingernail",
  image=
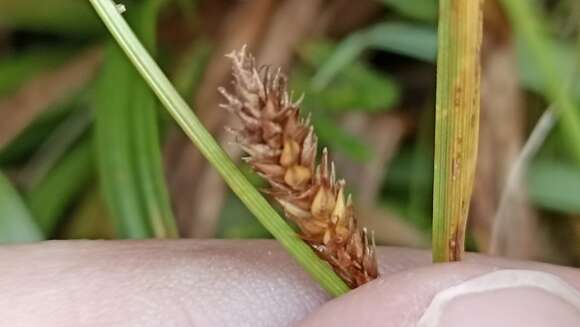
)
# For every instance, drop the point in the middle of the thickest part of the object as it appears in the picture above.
(506, 298)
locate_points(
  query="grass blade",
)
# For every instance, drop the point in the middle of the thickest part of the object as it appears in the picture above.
(89, 219)
(186, 119)
(332, 134)
(425, 10)
(18, 68)
(456, 123)
(529, 28)
(43, 91)
(353, 87)
(128, 143)
(16, 222)
(555, 186)
(49, 199)
(419, 42)
(68, 17)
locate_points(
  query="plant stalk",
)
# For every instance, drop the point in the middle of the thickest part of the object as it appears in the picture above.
(184, 116)
(456, 123)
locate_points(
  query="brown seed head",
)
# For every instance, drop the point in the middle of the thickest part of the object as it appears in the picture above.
(282, 148)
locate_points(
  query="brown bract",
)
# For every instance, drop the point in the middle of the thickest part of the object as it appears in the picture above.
(282, 148)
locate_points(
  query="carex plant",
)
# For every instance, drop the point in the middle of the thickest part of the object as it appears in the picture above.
(282, 147)
(311, 195)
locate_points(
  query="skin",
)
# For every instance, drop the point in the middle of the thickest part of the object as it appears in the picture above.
(237, 283)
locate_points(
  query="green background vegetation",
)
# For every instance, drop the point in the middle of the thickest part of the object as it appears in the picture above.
(96, 160)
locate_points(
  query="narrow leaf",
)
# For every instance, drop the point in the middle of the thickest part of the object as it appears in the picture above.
(554, 185)
(456, 123)
(425, 10)
(16, 222)
(17, 68)
(415, 41)
(50, 198)
(207, 145)
(337, 138)
(530, 28)
(355, 88)
(68, 17)
(128, 142)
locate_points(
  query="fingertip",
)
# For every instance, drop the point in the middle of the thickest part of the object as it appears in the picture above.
(153, 283)
(456, 294)
(393, 300)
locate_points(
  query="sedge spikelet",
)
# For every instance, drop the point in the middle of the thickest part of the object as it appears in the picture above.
(282, 148)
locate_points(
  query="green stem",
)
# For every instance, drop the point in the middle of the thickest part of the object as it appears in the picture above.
(183, 115)
(456, 123)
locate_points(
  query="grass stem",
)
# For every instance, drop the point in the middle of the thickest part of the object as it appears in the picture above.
(186, 119)
(456, 123)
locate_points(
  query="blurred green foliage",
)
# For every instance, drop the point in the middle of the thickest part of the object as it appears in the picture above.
(112, 166)
(355, 87)
(52, 195)
(30, 139)
(16, 222)
(66, 17)
(16, 69)
(415, 41)
(127, 136)
(425, 10)
(555, 185)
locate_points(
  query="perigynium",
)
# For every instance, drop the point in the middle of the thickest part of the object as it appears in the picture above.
(282, 147)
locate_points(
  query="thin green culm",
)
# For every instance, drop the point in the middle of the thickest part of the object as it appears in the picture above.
(184, 116)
